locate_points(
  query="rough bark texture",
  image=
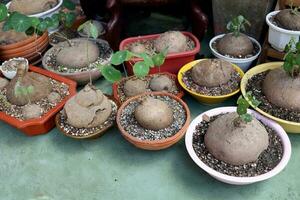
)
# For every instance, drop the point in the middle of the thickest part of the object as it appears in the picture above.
(236, 145)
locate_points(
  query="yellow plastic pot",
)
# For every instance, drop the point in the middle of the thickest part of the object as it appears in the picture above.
(204, 98)
(290, 127)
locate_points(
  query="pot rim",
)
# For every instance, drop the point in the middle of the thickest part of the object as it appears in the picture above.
(190, 65)
(154, 142)
(244, 81)
(277, 28)
(44, 12)
(232, 179)
(234, 60)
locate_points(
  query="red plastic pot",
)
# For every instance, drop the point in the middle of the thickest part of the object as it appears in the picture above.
(116, 94)
(45, 123)
(173, 61)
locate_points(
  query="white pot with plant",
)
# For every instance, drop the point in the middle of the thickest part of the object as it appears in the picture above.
(283, 26)
(236, 145)
(235, 46)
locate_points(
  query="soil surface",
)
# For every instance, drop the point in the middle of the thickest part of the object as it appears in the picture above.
(105, 53)
(232, 85)
(265, 163)
(254, 52)
(130, 124)
(255, 85)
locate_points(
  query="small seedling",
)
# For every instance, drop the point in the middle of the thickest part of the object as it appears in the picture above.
(292, 58)
(243, 105)
(22, 91)
(30, 25)
(237, 24)
(294, 9)
(140, 69)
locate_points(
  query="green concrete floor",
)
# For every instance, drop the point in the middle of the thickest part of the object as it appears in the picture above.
(55, 167)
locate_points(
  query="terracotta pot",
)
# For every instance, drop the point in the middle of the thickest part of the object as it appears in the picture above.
(46, 122)
(173, 61)
(173, 76)
(26, 48)
(156, 144)
(95, 135)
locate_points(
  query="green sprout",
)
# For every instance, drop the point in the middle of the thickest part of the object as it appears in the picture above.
(294, 9)
(292, 58)
(23, 91)
(237, 24)
(30, 25)
(242, 107)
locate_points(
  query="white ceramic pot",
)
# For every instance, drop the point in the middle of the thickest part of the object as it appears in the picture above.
(12, 74)
(232, 179)
(279, 37)
(47, 13)
(243, 63)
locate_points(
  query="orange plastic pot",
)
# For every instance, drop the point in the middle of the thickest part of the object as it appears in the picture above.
(173, 61)
(46, 122)
(156, 144)
(173, 76)
(26, 48)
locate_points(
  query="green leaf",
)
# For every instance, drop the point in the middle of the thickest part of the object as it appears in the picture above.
(298, 59)
(30, 89)
(3, 12)
(93, 31)
(147, 59)
(119, 57)
(242, 106)
(110, 73)
(81, 27)
(298, 46)
(246, 117)
(35, 21)
(69, 19)
(20, 22)
(287, 66)
(7, 26)
(69, 5)
(42, 26)
(252, 99)
(158, 59)
(140, 69)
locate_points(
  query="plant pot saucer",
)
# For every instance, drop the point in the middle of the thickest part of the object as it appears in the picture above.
(122, 98)
(91, 133)
(156, 144)
(82, 75)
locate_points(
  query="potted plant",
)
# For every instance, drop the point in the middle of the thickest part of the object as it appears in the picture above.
(31, 99)
(283, 26)
(88, 114)
(235, 46)
(16, 28)
(153, 121)
(276, 85)
(236, 145)
(210, 80)
(181, 49)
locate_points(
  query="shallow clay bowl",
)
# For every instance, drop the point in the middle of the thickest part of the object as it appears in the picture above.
(204, 98)
(233, 179)
(180, 94)
(95, 135)
(290, 127)
(81, 78)
(156, 144)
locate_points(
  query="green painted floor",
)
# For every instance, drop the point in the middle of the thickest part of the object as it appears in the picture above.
(54, 167)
